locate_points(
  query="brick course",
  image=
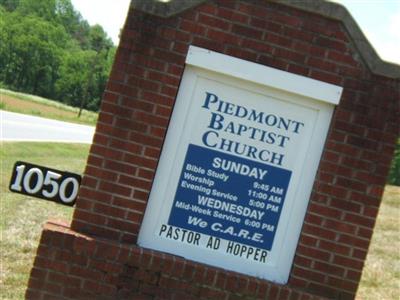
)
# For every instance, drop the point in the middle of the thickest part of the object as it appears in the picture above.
(97, 258)
(70, 265)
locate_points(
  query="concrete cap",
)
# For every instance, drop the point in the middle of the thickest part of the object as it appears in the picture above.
(376, 65)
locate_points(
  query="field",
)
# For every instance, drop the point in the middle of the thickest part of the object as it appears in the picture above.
(41, 107)
(22, 218)
(381, 275)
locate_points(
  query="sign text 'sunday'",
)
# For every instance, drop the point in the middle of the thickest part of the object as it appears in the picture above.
(226, 189)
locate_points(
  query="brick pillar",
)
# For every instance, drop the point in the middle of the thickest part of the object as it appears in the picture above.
(98, 257)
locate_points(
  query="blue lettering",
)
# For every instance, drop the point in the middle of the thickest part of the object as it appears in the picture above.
(210, 98)
(216, 121)
(206, 136)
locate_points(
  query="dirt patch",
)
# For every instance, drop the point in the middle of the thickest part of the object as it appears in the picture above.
(29, 107)
(46, 110)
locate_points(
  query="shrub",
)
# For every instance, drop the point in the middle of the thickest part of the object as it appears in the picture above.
(394, 174)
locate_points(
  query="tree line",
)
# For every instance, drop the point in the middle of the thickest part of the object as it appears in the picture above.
(394, 174)
(48, 49)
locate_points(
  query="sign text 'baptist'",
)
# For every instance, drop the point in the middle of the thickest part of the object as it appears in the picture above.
(262, 130)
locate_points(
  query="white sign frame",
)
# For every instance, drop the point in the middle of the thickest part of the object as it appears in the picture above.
(291, 89)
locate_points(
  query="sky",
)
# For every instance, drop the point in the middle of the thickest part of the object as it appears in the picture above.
(378, 19)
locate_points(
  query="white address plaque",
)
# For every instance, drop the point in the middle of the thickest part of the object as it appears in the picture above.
(238, 165)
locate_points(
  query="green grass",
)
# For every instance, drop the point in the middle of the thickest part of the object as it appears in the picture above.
(38, 106)
(381, 275)
(22, 217)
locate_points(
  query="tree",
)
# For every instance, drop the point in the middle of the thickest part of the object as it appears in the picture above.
(48, 49)
(394, 174)
(44, 9)
(73, 23)
(73, 74)
(101, 45)
(9, 5)
(31, 53)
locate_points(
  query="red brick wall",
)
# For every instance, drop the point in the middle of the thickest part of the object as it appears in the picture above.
(70, 265)
(134, 117)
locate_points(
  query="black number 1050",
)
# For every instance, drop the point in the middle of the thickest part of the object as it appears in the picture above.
(45, 183)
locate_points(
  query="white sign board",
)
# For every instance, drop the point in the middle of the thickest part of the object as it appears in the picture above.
(238, 165)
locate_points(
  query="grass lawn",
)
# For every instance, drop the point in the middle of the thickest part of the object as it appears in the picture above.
(22, 218)
(381, 275)
(41, 107)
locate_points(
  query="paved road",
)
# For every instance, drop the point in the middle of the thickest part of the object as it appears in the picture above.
(19, 127)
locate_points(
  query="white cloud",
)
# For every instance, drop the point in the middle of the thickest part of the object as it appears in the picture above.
(380, 22)
(107, 13)
(394, 24)
(387, 41)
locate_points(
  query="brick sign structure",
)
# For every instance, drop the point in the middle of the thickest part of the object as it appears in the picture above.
(241, 152)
